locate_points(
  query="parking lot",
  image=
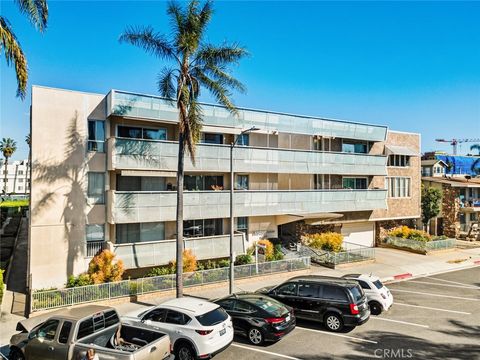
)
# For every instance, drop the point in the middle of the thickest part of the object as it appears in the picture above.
(435, 317)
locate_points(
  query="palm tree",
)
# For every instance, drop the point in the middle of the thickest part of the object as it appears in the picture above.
(193, 64)
(37, 13)
(475, 147)
(28, 140)
(7, 147)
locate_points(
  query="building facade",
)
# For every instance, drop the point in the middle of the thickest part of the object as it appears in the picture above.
(18, 177)
(105, 173)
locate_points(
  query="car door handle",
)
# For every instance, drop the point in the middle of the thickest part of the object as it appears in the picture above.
(178, 331)
(51, 348)
(153, 349)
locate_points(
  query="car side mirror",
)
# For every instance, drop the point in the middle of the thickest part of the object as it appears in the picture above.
(32, 335)
(147, 322)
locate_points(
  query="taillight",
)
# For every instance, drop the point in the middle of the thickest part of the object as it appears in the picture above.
(354, 309)
(203, 332)
(274, 320)
(171, 347)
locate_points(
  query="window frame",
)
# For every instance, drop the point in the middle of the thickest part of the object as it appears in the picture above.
(237, 181)
(355, 178)
(92, 239)
(95, 198)
(142, 128)
(400, 161)
(395, 191)
(100, 144)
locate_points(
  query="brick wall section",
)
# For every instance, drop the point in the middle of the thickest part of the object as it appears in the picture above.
(383, 227)
(450, 209)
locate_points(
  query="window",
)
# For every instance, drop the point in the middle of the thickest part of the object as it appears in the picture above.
(357, 293)
(111, 318)
(85, 328)
(96, 135)
(140, 232)
(96, 187)
(95, 232)
(242, 182)
(20, 172)
(175, 317)
(208, 138)
(363, 284)
(308, 290)
(243, 140)
(213, 317)
(141, 133)
(64, 332)
(242, 224)
(349, 146)
(336, 293)
(287, 289)
(20, 180)
(426, 171)
(398, 187)
(227, 304)
(242, 306)
(47, 331)
(399, 160)
(140, 183)
(200, 182)
(378, 284)
(202, 227)
(354, 183)
(157, 315)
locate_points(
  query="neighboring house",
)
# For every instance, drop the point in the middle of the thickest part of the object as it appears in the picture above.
(18, 177)
(105, 173)
(456, 165)
(460, 204)
(435, 168)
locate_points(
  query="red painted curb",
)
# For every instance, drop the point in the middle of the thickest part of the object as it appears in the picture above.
(476, 262)
(402, 276)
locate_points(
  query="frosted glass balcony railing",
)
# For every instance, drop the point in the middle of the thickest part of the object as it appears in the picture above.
(162, 155)
(132, 207)
(152, 107)
(142, 254)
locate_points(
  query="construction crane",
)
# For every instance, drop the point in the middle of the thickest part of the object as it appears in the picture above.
(455, 142)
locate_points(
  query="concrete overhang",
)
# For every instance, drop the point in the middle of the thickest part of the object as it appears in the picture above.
(310, 219)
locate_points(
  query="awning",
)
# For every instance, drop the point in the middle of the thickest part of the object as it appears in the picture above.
(221, 130)
(400, 150)
(309, 218)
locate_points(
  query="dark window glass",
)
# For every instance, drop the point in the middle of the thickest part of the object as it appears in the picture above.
(47, 331)
(96, 135)
(242, 182)
(287, 289)
(242, 306)
(212, 138)
(111, 318)
(269, 305)
(357, 293)
(156, 315)
(65, 332)
(363, 284)
(96, 187)
(155, 134)
(213, 317)
(243, 140)
(360, 183)
(227, 304)
(335, 293)
(378, 284)
(308, 290)
(85, 328)
(199, 228)
(129, 132)
(175, 317)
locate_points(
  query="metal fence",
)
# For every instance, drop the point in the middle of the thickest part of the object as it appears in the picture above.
(351, 253)
(422, 246)
(49, 299)
(94, 247)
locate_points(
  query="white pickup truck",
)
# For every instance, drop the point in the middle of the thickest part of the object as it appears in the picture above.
(67, 334)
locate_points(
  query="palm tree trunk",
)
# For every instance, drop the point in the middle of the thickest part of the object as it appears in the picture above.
(15, 179)
(180, 175)
(5, 177)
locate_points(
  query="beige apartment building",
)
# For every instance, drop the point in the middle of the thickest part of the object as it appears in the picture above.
(104, 174)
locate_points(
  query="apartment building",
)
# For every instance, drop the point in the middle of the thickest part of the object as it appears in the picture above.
(18, 177)
(104, 174)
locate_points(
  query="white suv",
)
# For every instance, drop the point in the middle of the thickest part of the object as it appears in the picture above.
(378, 296)
(198, 329)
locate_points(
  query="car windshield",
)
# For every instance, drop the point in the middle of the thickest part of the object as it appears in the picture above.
(378, 284)
(357, 293)
(213, 317)
(269, 305)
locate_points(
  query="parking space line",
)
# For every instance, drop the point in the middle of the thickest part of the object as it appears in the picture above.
(453, 282)
(337, 334)
(436, 295)
(436, 309)
(447, 285)
(265, 352)
(400, 322)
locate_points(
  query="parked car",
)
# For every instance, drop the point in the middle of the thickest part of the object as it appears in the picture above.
(258, 317)
(378, 296)
(67, 334)
(199, 329)
(333, 301)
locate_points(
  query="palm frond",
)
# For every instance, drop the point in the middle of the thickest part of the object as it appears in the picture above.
(37, 12)
(218, 90)
(222, 76)
(14, 54)
(221, 55)
(147, 39)
(165, 83)
(193, 128)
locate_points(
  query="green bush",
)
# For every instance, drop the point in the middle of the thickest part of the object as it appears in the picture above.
(243, 259)
(80, 280)
(405, 232)
(223, 263)
(1, 285)
(277, 252)
(329, 241)
(162, 270)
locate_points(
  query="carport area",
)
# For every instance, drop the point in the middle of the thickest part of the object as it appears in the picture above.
(434, 317)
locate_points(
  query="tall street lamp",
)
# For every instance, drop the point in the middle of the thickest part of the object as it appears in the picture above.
(232, 185)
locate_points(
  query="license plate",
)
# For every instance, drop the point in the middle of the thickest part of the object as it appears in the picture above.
(287, 319)
(223, 332)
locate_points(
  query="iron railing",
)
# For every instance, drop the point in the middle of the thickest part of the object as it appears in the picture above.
(94, 247)
(351, 253)
(49, 299)
(423, 246)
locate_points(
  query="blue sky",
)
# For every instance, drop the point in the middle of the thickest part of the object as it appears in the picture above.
(412, 66)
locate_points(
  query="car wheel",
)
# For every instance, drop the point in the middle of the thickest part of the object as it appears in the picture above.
(375, 308)
(255, 336)
(16, 354)
(333, 322)
(184, 351)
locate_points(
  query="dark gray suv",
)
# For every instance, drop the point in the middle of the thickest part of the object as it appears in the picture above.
(335, 302)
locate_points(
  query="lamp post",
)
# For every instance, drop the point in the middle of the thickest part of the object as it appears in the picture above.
(232, 184)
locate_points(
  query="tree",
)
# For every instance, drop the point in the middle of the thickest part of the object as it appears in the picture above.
(475, 147)
(430, 204)
(37, 12)
(193, 64)
(7, 147)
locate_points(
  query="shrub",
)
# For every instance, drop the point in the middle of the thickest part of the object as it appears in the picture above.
(162, 270)
(277, 252)
(80, 280)
(406, 233)
(189, 262)
(329, 241)
(1, 285)
(223, 263)
(243, 259)
(105, 268)
(268, 251)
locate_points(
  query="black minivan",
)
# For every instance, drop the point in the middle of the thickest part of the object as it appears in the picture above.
(332, 301)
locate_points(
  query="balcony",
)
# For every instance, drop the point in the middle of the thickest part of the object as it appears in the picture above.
(162, 155)
(160, 252)
(140, 106)
(132, 207)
